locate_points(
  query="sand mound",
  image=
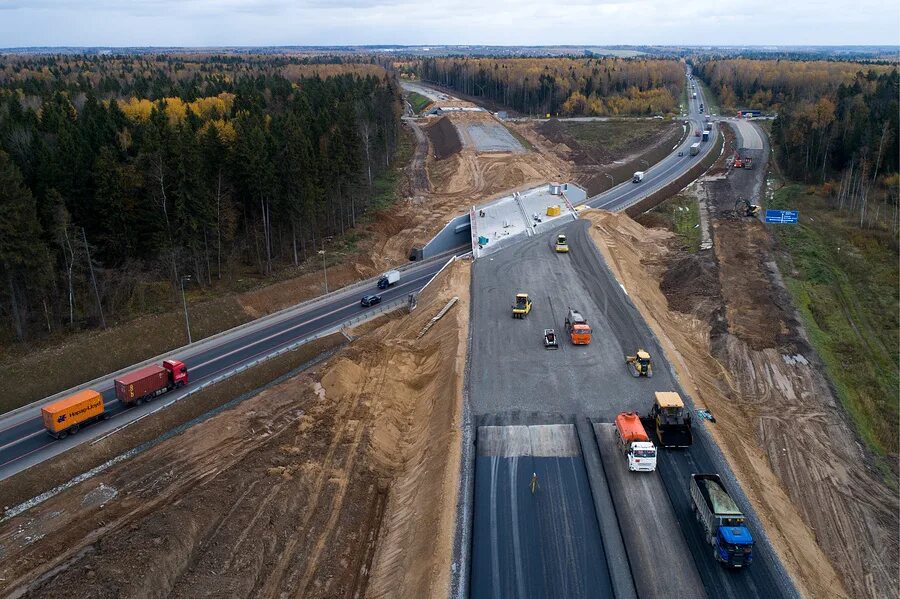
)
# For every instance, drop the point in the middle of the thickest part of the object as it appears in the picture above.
(746, 398)
(319, 486)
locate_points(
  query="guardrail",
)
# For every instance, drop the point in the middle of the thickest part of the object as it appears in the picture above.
(181, 351)
(386, 307)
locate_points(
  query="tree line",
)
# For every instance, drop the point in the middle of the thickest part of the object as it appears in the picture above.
(204, 167)
(838, 124)
(564, 86)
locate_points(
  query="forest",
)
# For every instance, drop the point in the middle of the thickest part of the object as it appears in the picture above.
(564, 86)
(838, 124)
(121, 173)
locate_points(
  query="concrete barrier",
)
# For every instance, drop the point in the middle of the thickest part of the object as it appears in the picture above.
(454, 234)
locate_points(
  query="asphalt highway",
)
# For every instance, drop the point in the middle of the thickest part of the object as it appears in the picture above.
(666, 170)
(24, 442)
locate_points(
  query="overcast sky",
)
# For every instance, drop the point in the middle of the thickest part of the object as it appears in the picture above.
(490, 22)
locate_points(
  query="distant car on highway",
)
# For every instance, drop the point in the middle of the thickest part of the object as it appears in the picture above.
(369, 300)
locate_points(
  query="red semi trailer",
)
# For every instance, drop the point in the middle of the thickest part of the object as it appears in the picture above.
(144, 384)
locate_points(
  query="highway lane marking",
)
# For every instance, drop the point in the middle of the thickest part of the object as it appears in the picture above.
(113, 401)
(287, 330)
(20, 440)
(207, 377)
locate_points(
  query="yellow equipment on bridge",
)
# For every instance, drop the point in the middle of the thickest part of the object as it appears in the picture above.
(522, 306)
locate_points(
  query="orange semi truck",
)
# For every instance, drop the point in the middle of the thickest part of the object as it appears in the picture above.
(66, 416)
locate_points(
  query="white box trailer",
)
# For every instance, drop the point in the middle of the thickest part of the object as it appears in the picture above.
(695, 149)
(388, 279)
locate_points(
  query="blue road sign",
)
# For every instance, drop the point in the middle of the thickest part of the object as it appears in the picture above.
(782, 217)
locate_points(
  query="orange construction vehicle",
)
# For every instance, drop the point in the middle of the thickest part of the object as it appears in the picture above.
(738, 161)
(578, 328)
(635, 443)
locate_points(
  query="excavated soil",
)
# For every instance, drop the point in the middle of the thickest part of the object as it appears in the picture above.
(444, 138)
(591, 163)
(320, 486)
(729, 327)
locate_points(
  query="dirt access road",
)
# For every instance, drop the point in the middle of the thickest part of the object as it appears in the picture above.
(318, 487)
(741, 351)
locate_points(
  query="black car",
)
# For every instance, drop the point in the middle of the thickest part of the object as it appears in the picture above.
(369, 300)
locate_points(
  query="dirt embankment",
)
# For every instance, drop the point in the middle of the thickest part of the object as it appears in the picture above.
(459, 181)
(741, 352)
(639, 259)
(612, 148)
(321, 486)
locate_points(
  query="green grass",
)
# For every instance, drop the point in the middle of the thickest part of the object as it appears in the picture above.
(711, 104)
(418, 101)
(616, 136)
(682, 215)
(386, 185)
(844, 283)
(525, 143)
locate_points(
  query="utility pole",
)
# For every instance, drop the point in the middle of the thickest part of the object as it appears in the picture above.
(324, 267)
(187, 322)
(612, 182)
(93, 278)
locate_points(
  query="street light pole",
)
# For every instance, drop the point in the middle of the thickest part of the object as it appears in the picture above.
(187, 321)
(324, 267)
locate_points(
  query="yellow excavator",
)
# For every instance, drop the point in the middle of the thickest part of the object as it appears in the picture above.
(745, 208)
(639, 364)
(522, 306)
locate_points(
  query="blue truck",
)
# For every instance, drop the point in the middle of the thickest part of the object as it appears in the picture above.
(722, 521)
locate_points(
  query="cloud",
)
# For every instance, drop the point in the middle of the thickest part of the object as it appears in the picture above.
(522, 22)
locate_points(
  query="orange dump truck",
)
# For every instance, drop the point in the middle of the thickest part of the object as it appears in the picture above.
(66, 416)
(578, 328)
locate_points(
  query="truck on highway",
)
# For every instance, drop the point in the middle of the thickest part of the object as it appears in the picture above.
(722, 521)
(388, 279)
(578, 328)
(705, 135)
(671, 420)
(637, 177)
(148, 382)
(695, 149)
(633, 439)
(694, 95)
(66, 416)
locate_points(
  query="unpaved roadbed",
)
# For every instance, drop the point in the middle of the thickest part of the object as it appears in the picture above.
(318, 487)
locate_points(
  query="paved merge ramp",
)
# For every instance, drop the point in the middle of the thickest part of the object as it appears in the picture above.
(541, 542)
(512, 372)
(649, 524)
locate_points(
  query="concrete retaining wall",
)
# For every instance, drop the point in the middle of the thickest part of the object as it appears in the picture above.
(454, 234)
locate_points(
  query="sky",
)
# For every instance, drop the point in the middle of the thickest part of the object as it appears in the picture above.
(484, 22)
